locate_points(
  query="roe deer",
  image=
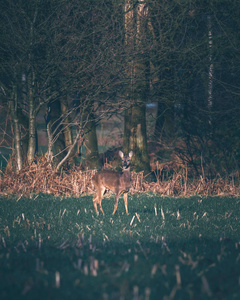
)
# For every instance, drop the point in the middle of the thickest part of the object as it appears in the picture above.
(111, 180)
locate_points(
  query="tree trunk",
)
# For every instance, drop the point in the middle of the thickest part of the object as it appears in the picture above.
(32, 131)
(90, 138)
(158, 131)
(69, 152)
(54, 129)
(138, 68)
(17, 137)
(67, 131)
(165, 126)
(127, 130)
(138, 139)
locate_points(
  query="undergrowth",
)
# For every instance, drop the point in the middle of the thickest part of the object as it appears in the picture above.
(168, 181)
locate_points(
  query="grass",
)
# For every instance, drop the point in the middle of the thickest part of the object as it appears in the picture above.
(166, 248)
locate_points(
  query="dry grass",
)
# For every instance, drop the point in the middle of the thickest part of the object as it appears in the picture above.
(39, 177)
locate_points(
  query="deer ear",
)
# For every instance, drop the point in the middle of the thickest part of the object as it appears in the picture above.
(121, 154)
(130, 154)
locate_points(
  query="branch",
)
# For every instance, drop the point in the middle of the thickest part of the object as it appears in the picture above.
(69, 151)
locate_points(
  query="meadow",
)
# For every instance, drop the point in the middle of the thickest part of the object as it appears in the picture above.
(166, 248)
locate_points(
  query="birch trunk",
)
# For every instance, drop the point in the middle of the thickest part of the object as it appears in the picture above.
(32, 131)
(17, 136)
(67, 132)
(210, 69)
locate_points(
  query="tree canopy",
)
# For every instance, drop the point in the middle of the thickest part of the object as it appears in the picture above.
(91, 60)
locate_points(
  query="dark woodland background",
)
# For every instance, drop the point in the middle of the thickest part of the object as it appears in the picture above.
(81, 79)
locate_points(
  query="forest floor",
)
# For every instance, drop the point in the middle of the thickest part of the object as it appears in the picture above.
(166, 248)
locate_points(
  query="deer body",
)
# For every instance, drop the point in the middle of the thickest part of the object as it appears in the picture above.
(111, 180)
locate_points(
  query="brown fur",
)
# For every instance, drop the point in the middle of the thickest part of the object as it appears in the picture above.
(111, 180)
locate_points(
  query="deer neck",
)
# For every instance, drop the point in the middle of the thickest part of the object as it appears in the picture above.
(125, 180)
(126, 173)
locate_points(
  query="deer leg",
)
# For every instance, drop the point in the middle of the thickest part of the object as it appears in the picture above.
(95, 203)
(116, 202)
(95, 199)
(101, 193)
(125, 202)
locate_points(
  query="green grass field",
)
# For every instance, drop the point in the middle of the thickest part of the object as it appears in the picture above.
(166, 248)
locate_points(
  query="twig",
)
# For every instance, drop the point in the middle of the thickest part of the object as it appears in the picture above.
(141, 248)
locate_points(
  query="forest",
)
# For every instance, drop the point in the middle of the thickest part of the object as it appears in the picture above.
(81, 83)
(166, 72)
